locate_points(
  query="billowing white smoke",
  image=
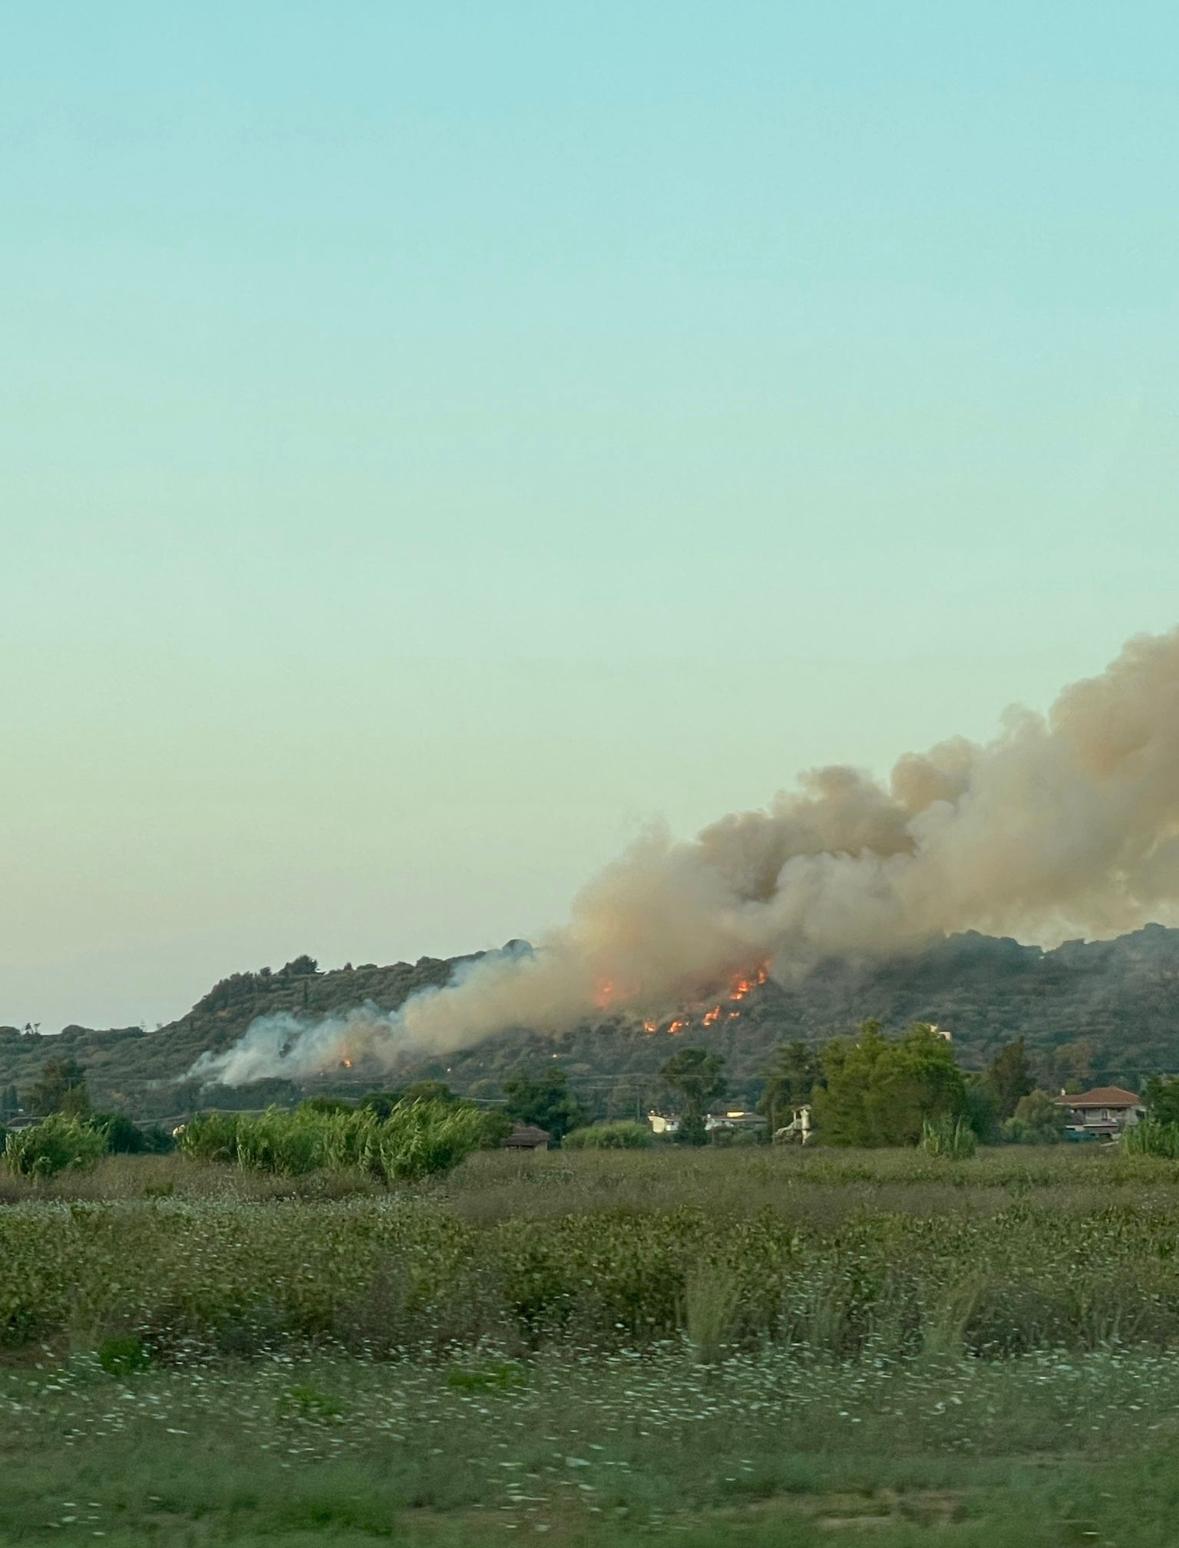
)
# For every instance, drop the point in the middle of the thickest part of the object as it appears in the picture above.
(1063, 824)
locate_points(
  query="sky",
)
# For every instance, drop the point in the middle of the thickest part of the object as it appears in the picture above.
(437, 440)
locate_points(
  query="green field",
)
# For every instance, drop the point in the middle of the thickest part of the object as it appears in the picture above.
(746, 1346)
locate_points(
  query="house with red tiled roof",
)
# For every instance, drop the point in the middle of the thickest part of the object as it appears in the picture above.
(1103, 1112)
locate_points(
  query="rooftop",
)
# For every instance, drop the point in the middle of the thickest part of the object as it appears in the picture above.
(527, 1137)
(1101, 1096)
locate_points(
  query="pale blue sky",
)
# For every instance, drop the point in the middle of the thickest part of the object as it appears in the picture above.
(437, 438)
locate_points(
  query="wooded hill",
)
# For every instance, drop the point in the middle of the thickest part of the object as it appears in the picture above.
(1090, 1011)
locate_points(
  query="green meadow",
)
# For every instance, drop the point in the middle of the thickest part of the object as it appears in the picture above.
(749, 1346)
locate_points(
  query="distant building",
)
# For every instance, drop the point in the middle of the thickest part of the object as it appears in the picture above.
(529, 1137)
(661, 1124)
(1103, 1112)
(734, 1118)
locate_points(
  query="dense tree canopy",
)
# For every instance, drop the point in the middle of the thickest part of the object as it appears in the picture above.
(698, 1075)
(1161, 1096)
(1037, 1120)
(790, 1077)
(61, 1088)
(544, 1100)
(880, 1092)
(1009, 1076)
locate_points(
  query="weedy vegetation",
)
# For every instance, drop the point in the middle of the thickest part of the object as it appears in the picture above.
(416, 1139)
(1153, 1138)
(437, 1345)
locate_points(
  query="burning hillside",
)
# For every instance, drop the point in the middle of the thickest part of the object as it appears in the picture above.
(704, 1015)
(1065, 823)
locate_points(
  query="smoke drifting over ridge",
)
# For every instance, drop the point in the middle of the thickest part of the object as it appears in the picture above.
(1062, 824)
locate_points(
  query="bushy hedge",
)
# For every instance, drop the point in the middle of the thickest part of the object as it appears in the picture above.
(56, 1144)
(416, 1140)
(61, 1143)
(623, 1135)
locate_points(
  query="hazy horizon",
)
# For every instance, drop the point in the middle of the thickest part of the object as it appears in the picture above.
(439, 442)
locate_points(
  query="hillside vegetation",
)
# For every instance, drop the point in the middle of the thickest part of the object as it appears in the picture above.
(1104, 1010)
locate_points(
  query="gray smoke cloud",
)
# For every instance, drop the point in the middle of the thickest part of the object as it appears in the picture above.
(1063, 824)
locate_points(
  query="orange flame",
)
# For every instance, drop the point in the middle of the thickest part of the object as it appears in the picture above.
(741, 986)
(345, 1063)
(711, 1016)
(650, 1026)
(676, 1026)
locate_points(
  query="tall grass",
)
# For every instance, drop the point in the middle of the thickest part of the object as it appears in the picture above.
(1152, 1138)
(949, 1137)
(712, 1295)
(416, 1140)
(56, 1144)
(379, 1274)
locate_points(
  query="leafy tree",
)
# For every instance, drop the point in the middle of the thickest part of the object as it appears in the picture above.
(324, 1104)
(299, 967)
(1009, 1076)
(272, 1091)
(61, 1089)
(790, 1077)
(496, 1128)
(1037, 1120)
(125, 1138)
(982, 1110)
(9, 1102)
(880, 1092)
(1071, 1065)
(381, 1103)
(544, 1100)
(699, 1076)
(1161, 1097)
(430, 1091)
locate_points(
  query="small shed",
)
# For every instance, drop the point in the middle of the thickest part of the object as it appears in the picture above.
(527, 1137)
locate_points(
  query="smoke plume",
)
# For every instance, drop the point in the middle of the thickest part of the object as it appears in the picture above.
(1063, 824)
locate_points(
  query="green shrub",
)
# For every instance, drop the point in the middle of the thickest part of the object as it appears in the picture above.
(56, 1144)
(123, 1137)
(210, 1137)
(1152, 1138)
(496, 1126)
(623, 1135)
(123, 1355)
(1038, 1120)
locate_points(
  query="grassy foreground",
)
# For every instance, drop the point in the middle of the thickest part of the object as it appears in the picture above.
(743, 1347)
(596, 1450)
(827, 1254)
